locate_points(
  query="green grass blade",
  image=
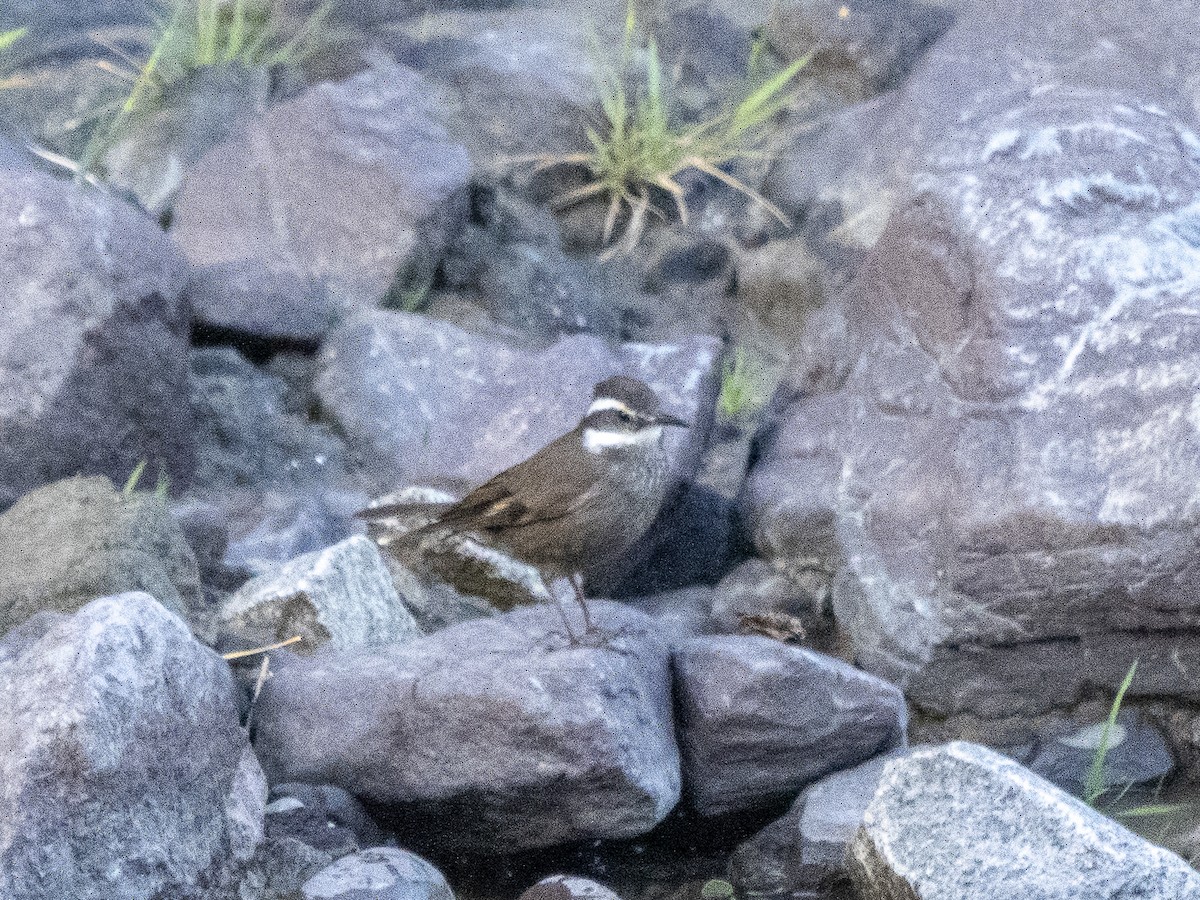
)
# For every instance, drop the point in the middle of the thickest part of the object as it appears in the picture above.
(303, 43)
(8, 38)
(1150, 810)
(235, 43)
(765, 101)
(1093, 785)
(135, 476)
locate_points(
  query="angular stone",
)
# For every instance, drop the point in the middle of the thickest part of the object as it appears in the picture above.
(1005, 481)
(805, 849)
(93, 353)
(493, 732)
(70, 542)
(125, 771)
(759, 719)
(961, 821)
(342, 596)
(320, 204)
(485, 406)
(382, 873)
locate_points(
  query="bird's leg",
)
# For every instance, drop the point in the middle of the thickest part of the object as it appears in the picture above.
(589, 626)
(572, 638)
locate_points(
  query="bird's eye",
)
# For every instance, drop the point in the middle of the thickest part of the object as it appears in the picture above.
(624, 415)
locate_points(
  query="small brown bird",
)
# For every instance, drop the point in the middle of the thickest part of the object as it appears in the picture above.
(580, 501)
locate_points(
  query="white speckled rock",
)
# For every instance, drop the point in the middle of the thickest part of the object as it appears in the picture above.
(962, 822)
(343, 596)
(568, 887)
(381, 873)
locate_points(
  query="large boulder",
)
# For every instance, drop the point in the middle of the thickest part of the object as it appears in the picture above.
(493, 733)
(125, 771)
(961, 821)
(1007, 479)
(485, 405)
(758, 719)
(321, 204)
(93, 353)
(66, 544)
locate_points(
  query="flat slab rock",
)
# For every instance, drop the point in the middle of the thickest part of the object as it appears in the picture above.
(320, 203)
(960, 821)
(342, 596)
(428, 403)
(759, 719)
(492, 732)
(125, 771)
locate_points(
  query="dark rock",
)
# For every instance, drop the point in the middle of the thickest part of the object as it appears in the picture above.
(125, 771)
(72, 541)
(805, 849)
(342, 596)
(961, 821)
(322, 816)
(1005, 479)
(93, 355)
(485, 406)
(862, 47)
(319, 204)
(491, 734)
(568, 887)
(381, 873)
(246, 437)
(759, 719)
(1137, 753)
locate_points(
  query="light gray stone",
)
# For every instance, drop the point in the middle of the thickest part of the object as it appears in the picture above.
(381, 873)
(486, 406)
(125, 771)
(342, 596)
(493, 732)
(961, 821)
(319, 204)
(93, 353)
(568, 887)
(759, 719)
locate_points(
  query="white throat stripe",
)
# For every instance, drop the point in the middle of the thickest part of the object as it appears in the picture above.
(608, 403)
(597, 441)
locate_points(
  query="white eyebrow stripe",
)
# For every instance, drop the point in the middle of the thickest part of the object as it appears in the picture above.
(596, 440)
(601, 403)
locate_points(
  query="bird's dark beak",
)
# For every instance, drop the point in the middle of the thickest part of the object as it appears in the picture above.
(670, 420)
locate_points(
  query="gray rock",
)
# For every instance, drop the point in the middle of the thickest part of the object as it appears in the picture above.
(322, 816)
(485, 406)
(805, 849)
(1002, 500)
(279, 868)
(1137, 753)
(491, 732)
(342, 596)
(246, 436)
(382, 873)
(125, 771)
(756, 588)
(77, 539)
(93, 354)
(759, 719)
(961, 821)
(69, 14)
(568, 887)
(319, 204)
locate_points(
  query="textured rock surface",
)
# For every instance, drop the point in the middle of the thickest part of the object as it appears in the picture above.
(1007, 479)
(342, 596)
(485, 406)
(92, 304)
(381, 873)
(805, 849)
(1136, 753)
(322, 816)
(492, 732)
(759, 719)
(568, 887)
(70, 542)
(961, 821)
(319, 204)
(125, 771)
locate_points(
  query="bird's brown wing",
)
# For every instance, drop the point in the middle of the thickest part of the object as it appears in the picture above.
(547, 486)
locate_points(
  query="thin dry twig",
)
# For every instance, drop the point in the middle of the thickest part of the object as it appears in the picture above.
(242, 654)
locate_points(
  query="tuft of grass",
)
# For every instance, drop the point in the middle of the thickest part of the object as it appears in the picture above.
(131, 482)
(202, 34)
(637, 148)
(9, 38)
(1093, 782)
(742, 393)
